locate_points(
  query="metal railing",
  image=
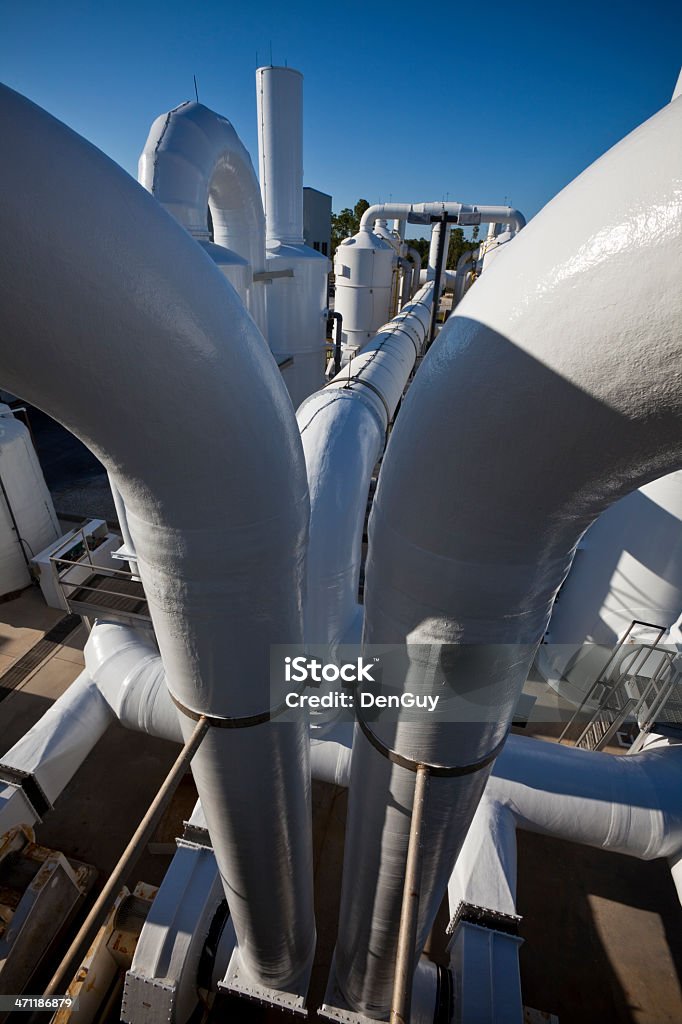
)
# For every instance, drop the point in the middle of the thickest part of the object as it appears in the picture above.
(85, 595)
(633, 686)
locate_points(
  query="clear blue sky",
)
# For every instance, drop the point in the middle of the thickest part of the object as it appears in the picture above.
(481, 101)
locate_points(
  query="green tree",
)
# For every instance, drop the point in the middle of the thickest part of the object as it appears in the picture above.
(347, 223)
(459, 245)
(422, 247)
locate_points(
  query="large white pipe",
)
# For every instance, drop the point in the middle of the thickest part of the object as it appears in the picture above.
(129, 673)
(552, 391)
(425, 213)
(123, 294)
(343, 429)
(193, 161)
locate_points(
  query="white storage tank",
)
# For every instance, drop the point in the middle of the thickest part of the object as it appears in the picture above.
(364, 266)
(628, 567)
(27, 518)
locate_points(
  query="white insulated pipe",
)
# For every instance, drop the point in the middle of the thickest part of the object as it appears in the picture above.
(425, 213)
(343, 430)
(194, 160)
(54, 748)
(551, 392)
(434, 246)
(416, 260)
(129, 673)
(122, 293)
(279, 98)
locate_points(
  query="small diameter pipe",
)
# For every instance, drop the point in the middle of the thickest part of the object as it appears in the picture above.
(338, 339)
(439, 273)
(405, 963)
(129, 857)
(14, 523)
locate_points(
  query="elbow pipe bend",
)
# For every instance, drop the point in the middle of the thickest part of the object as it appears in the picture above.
(193, 159)
(564, 381)
(128, 671)
(122, 278)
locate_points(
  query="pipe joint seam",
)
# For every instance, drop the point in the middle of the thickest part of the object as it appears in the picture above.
(437, 770)
(367, 384)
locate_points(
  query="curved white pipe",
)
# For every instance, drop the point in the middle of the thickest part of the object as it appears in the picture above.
(343, 430)
(219, 524)
(423, 213)
(552, 391)
(194, 160)
(129, 673)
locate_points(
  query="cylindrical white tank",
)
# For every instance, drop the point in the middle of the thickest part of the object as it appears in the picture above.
(233, 267)
(628, 567)
(296, 276)
(297, 316)
(25, 504)
(363, 269)
(279, 96)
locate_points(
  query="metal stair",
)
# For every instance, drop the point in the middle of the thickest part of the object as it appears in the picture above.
(639, 685)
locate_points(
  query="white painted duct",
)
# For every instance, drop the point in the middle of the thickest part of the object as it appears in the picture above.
(424, 213)
(551, 392)
(217, 500)
(53, 750)
(123, 679)
(343, 429)
(194, 161)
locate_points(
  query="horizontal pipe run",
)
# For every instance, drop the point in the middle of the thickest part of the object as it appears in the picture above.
(460, 213)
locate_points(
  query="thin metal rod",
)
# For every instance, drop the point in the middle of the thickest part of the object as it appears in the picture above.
(14, 523)
(143, 834)
(440, 260)
(401, 1000)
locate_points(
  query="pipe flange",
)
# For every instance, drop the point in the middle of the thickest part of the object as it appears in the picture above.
(436, 770)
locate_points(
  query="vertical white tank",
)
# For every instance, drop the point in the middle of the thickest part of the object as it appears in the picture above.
(363, 272)
(628, 566)
(295, 276)
(25, 504)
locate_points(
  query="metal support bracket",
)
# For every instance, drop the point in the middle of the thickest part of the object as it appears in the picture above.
(240, 983)
(335, 1008)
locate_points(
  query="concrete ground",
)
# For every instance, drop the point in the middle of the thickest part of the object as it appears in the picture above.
(602, 932)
